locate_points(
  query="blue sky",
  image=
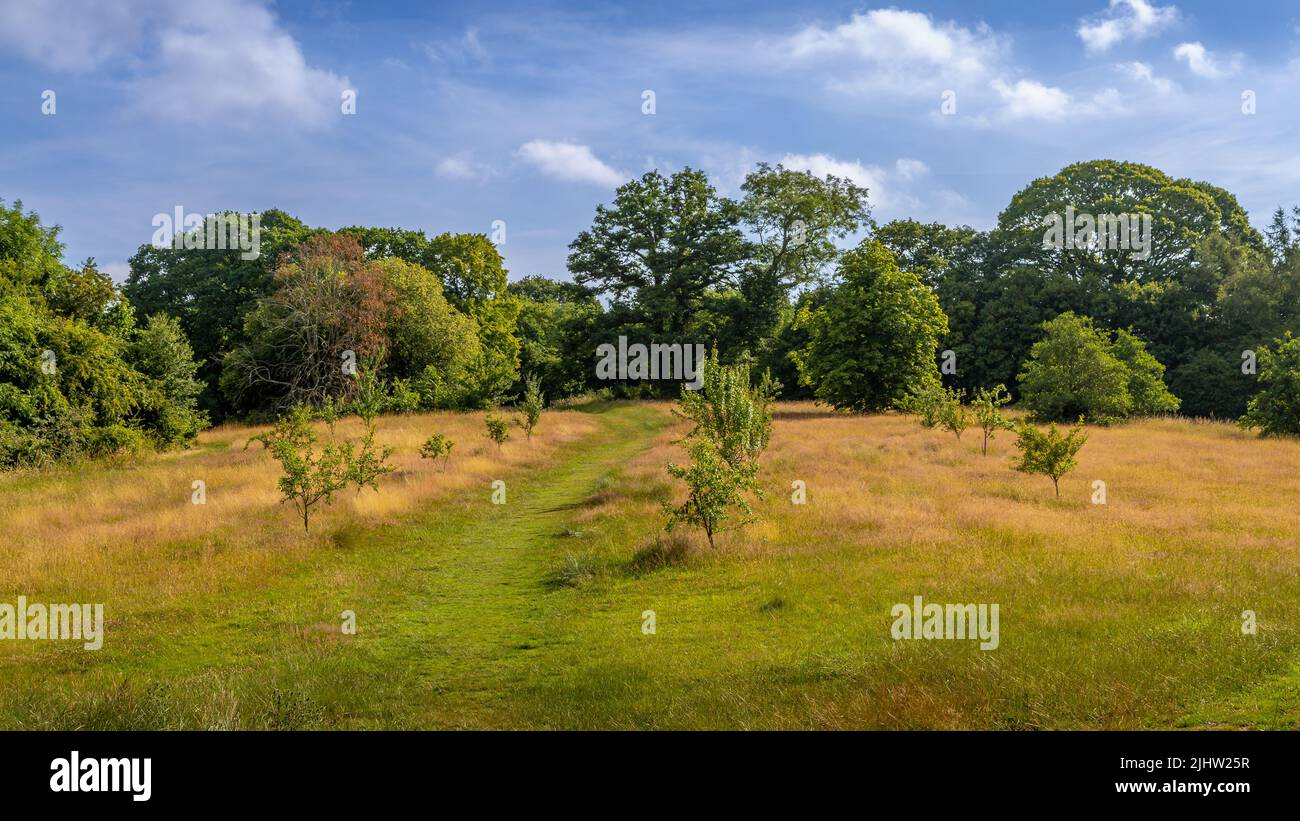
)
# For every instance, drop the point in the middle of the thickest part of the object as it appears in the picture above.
(531, 113)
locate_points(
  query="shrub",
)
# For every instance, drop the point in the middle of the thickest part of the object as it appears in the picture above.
(498, 429)
(1051, 453)
(1275, 409)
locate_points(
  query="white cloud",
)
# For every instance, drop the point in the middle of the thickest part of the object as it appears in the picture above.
(898, 48)
(1031, 100)
(80, 38)
(226, 61)
(886, 187)
(570, 162)
(1204, 63)
(1124, 20)
(461, 167)
(1142, 73)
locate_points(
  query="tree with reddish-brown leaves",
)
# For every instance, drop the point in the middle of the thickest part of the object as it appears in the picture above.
(325, 319)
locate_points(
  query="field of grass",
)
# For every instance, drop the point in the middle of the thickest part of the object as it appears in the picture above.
(530, 614)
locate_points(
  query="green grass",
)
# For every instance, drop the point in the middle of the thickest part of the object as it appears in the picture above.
(529, 615)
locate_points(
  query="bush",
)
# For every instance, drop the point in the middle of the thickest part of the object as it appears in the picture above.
(310, 477)
(924, 401)
(114, 440)
(1275, 409)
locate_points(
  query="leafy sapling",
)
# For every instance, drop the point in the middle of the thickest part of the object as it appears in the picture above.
(498, 429)
(1051, 453)
(953, 415)
(310, 477)
(986, 404)
(530, 410)
(437, 446)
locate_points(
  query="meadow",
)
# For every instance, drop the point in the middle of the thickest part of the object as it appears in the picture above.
(530, 614)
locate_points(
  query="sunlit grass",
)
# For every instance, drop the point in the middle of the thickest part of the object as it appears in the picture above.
(530, 614)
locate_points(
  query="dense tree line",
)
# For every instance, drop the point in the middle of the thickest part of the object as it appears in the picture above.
(793, 279)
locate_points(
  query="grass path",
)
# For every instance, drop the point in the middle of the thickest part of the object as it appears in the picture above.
(467, 601)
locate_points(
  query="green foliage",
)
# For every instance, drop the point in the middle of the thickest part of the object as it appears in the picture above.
(875, 338)
(1146, 384)
(925, 400)
(1051, 453)
(1275, 409)
(311, 476)
(987, 405)
(953, 415)
(534, 402)
(366, 464)
(733, 425)
(728, 411)
(437, 446)
(714, 486)
(664, 243)
(161, 352)
(1072, 372)
(498, 429)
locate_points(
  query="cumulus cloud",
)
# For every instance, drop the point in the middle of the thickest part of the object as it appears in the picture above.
(886, 186)
(1143, 73)
(1204, 63)
(898, 48)
(226, 61)
(1031, 100)
(1124, 20)
(569, 162)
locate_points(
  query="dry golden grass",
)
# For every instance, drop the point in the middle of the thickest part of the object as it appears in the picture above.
(132, 528)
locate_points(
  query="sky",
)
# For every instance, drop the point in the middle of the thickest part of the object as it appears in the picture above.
(531, 114)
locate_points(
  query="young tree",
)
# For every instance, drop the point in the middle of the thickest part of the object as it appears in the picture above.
(310, 477)
(532, 406)
(953, 415)
(437, 446)
(733, 425)
(924, 401)
(1146, 383)
(986, 404)
(1275, 409)
(728, 411)
(715, 487)
(498, 429)
(876, 337)
(1051, 453)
